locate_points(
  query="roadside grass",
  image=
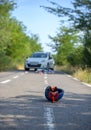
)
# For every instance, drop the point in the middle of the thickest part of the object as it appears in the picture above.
(67, 69)
(11, 67)
(20, 67)
(82, 75)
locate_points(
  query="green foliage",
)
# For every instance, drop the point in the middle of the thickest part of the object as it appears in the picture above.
(75, 58)
(65, 43)
(5, 62)
(80, 17)
(15, 45)
(87, 49)
(6, 6)
(34, 43)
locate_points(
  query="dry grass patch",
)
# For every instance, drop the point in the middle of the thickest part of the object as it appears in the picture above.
(83, 75)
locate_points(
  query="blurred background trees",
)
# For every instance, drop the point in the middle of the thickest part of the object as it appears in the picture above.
(79, 18)
(15, 44)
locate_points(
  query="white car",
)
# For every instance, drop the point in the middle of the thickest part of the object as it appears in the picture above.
(39, 60)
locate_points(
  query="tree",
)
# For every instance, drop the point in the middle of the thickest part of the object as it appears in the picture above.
(80, 17)
(87, 49)
(75, 58)
(35, 44)
(20, 45)
(80, 14)
(6, 6)
(65, 43)
(15, 44)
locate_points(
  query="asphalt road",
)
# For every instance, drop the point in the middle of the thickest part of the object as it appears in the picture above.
(23, 105)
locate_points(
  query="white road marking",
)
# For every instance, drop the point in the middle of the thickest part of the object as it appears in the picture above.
(46, 82)
(45, 77)
(69, 76)
(5, 81)
(15, 76)
(86, 84)
(8, 80)
(76, 79)
(49, 116)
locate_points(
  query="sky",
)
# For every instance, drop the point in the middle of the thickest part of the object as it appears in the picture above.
(37, 20)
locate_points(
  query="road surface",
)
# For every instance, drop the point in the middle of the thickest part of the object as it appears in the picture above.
(23, 105)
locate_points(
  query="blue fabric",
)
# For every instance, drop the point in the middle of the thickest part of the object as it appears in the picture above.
(60, 93)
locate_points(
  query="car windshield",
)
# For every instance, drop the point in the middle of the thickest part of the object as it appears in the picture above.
(39, 55)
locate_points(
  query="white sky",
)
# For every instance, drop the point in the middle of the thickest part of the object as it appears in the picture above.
(37, 20)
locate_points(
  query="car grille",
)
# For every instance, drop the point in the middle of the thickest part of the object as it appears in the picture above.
(34, 65)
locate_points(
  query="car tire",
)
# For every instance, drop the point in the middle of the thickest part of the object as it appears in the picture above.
(26, 69)
(47, 66)
(52, 69)
(35, 69)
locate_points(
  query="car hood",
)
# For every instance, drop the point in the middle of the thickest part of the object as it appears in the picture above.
(35, 59)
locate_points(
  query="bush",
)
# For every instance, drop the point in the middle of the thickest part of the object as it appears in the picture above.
(5, 62)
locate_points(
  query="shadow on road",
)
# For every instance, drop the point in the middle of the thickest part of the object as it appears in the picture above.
(26, 112)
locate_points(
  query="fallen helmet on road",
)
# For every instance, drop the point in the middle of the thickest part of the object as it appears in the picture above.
(53, 94)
